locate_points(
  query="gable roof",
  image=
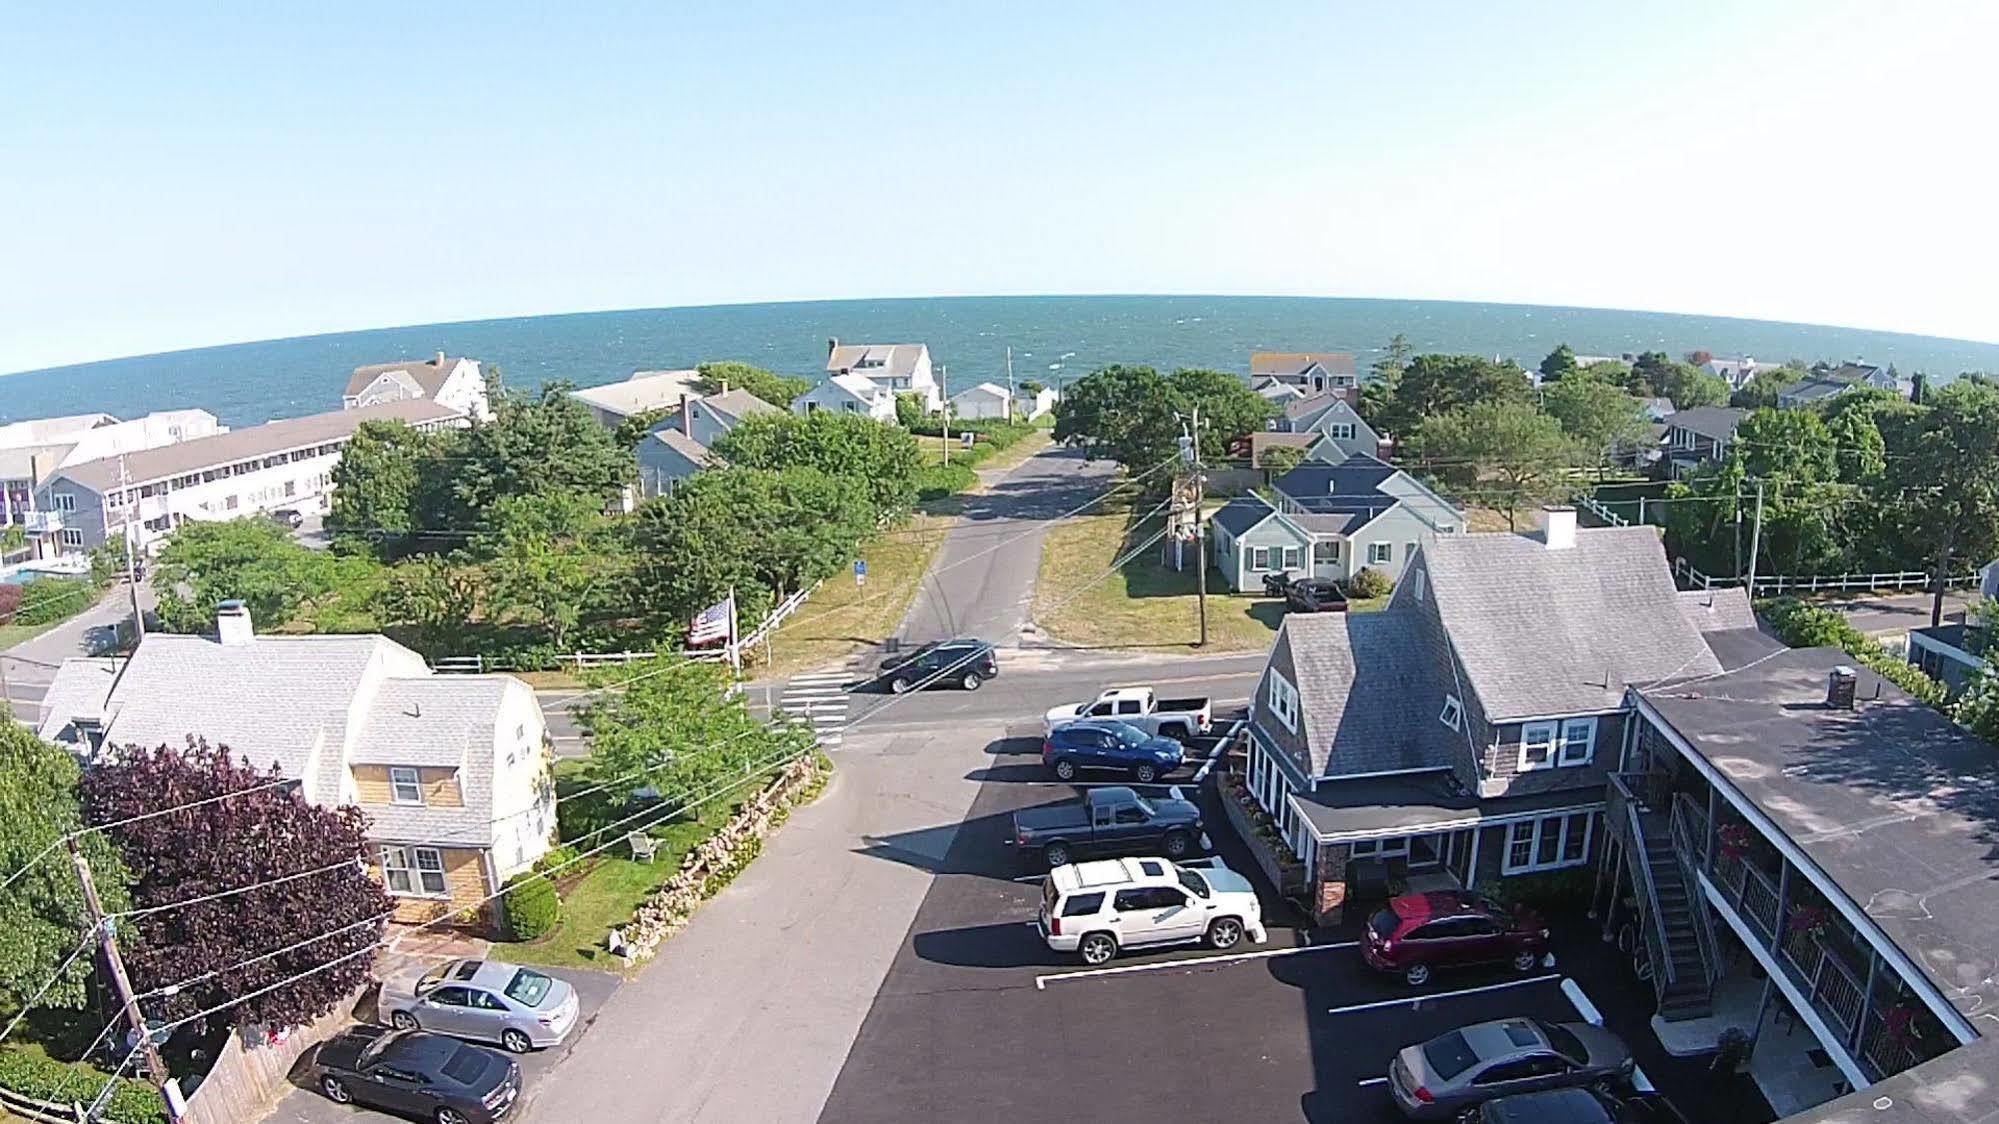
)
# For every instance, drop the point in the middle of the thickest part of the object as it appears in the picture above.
(427, 375)
(1715, 422)
(671, 436)
(1815, 389)
(1854, 372)
(898, 360)
(860, 386)
(147, 465)
(990, 389)
(735, 404)
(1242, 513)
(1597, 616)
(1274, 389)
(1716, 610)
(1265, 439)
(1305, 407)
(1367, 690)
(645, 390)
(1320, 487)
(1296, 363)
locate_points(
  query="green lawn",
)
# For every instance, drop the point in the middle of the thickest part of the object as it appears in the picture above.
(842, 618)
(12, 634)
(605, 897)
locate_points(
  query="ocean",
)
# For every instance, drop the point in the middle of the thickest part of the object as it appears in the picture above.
(1053, 338)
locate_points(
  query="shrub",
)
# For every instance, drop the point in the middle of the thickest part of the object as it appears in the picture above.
(1370, 582)
(532, 907)
(10, 601)
(53, 599)
(1549, 890)
(1809, 626)
(941, 480)
(556, 857)
(45, 1079)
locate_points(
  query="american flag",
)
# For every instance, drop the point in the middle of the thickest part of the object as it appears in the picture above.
(714, 623)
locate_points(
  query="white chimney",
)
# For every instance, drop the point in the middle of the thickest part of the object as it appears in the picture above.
(687, 415)
(232, 624)
(439, 361)
(1561, 526)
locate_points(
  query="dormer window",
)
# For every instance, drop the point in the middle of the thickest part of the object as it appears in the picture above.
(1454, 713)
(405, 786)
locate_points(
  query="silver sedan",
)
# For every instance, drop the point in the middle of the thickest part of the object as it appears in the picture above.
(485, 1000)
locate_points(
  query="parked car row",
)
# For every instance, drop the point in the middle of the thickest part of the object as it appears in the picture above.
(417, 1066)
(1472, 1071)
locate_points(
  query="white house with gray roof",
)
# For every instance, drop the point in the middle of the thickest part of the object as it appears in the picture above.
(899, 368)
(456, 383)
(1468, 728)
(1329, 521)
(848, 394)
(452, 771)
(681, 444)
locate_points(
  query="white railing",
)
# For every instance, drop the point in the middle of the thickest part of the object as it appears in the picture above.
(1820, 583)
(1595, 507)
(583, 661)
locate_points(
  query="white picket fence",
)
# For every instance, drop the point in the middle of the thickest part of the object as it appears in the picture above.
(1820, 583)
(1596, 508)
(583, 661)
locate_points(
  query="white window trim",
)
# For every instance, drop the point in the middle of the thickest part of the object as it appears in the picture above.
(1454, 713)
(1535, 862)
(1397, 848)
(1282, 699)
(1340, 431)
(1589, 743)
(408, 862)
(1417, 591)
(1554, 743)
(1387, 551)
(397, 784)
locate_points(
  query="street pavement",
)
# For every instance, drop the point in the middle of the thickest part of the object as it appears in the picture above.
(305, 1104)
(982, 580)
(30, 666)
(1890, 615)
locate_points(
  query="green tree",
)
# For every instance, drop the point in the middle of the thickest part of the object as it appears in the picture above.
(1649, 373)
(546, 557)
(1689, 386)
(431, 599)
(884, 457)
(1280, 459)
(1764, 387)
(537, 444)
(1377, 393)
(1435, 385)
(1133, 415)
(1978, 710)
(253, 560)
(1948, 478)
(1599, 416)
(778, 390)
(677, 729)
(1786, 445)
(1560, 362)
(1508, 451)
(1032, 387)
(637, 427)
(41, 915)
(1854, 423)
(379, 487)
(909, 410)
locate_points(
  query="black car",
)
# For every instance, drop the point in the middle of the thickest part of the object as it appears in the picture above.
(1315, 595)
(952, 663)
(1577, 1106)
(416, 1074)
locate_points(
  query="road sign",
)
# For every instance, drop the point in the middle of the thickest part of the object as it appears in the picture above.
(860, 572)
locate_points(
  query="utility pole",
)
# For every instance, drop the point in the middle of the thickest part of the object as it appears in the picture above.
(122, 984)
(944, 388)
(131, 570)
(1193, 455)
(1755, 540)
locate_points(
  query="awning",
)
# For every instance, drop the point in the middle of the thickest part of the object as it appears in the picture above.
(1418, 804)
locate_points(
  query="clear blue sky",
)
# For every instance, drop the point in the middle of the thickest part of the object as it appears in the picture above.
(185, 174)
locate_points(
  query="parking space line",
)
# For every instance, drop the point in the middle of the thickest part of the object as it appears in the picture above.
(1041, 982)
(1581, 1002)
(1429, 996)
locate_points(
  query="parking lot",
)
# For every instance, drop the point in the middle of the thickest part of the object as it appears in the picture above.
(306, 1105)
(977, 1012)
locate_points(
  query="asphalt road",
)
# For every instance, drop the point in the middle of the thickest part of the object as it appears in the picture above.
(982, 580)
(31, 665)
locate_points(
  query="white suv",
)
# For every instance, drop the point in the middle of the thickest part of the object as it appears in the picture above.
(1096, 908)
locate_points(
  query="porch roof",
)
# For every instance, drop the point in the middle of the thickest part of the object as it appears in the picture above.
(1892, 804)
(1417, 803)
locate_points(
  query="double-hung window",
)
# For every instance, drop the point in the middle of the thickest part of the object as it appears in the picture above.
(414, 871)
(1292, 558)
(1259, 558)
(1283, 700)
(1380, 553)
(1578, 742)
(1340, 431)
(1547, 843)
(1537, 745)
(405, 786)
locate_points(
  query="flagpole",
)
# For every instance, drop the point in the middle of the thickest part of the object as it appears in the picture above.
(735, 650)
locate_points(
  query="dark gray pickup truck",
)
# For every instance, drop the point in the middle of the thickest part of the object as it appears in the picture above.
(1108, 821)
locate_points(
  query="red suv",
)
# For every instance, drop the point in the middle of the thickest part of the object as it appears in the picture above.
(1419, 933)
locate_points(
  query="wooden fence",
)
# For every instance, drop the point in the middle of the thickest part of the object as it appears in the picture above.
(582, 661)
(1821, 583)
(42, 1112)
(247, 1078)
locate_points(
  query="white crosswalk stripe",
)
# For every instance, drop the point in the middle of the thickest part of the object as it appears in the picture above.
(821, 699)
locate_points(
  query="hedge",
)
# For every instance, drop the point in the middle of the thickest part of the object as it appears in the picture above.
(45, 1079)
(48, 601)
(1809, 626)
(937, 481)
(532, 906)
(1370, 583)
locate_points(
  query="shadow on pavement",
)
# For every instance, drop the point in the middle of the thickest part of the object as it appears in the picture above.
(1006, 944)
(976, 847)
(1014, 747)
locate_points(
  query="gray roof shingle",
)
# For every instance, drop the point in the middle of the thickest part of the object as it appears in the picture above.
(427, 375)
(1715, 422)
(1550, 632)
(1368, 691)
(1243, 512)
(892, 360)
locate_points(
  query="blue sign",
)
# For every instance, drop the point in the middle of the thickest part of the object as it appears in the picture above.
(860, 567)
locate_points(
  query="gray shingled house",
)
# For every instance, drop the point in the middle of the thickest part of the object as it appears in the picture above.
(1329, 521)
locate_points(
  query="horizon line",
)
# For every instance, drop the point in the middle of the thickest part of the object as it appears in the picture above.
(459, 323)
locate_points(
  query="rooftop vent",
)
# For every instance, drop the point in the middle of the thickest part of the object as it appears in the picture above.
(1840, 688)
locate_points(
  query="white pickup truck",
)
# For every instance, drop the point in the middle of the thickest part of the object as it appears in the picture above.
(1180, 719)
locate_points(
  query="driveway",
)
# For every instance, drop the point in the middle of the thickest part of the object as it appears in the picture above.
(1889, 615)
(981, 581)
(593, 989)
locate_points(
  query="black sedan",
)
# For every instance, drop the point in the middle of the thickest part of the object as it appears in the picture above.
(416, 1074)
(1315, 595)
(949, 663)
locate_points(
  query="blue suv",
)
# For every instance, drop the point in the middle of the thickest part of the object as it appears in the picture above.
(1109, 745)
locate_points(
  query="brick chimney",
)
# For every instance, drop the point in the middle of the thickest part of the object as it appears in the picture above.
(1840, 688)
